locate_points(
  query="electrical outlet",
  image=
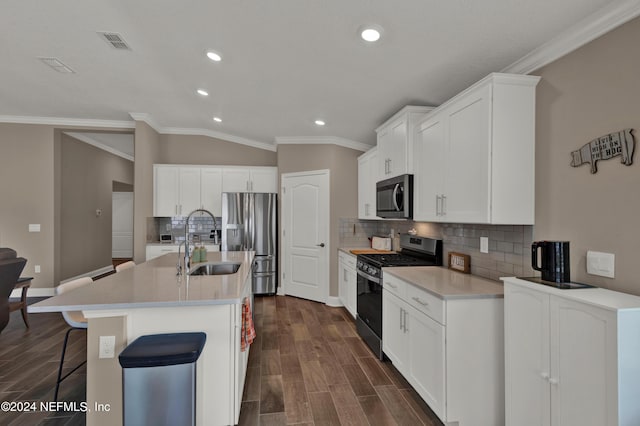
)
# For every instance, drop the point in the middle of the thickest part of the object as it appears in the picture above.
(602, 264)
(107, 347)
(484, 244)
(37, 269)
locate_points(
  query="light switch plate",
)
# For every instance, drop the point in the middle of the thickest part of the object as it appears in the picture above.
(107, 347)
(36, 269)
(34, 227)
(602, 264)
(484, 244)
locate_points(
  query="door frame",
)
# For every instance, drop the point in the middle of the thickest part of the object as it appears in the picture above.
(326, 213)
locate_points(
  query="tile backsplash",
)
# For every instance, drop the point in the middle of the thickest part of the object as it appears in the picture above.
(509, 245)
(201, 226)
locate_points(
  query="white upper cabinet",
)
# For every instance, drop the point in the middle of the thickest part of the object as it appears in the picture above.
(211, 189)
(176, 190)
(264, 179)
(189, 190)
(166, 190)
(474, 155)
(236, 179)
(367, 178)
(180, 189)
(250, 179)
(395, 142)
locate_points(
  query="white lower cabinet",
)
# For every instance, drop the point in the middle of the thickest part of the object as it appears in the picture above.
(347, 281)
(571, 356)
(450, 351)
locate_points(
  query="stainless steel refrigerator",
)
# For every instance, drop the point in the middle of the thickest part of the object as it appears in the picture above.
(249, 222)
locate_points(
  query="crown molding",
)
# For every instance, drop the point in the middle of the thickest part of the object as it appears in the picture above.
(590, 28)
(62, 121)
(200, 132)
(86, 139)
(322, 140)
(146, 118)
(219, 135)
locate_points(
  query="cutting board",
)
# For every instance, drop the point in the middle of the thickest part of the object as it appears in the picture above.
(369, 251)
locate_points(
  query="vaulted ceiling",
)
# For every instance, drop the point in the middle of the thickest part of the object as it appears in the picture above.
(285, 63)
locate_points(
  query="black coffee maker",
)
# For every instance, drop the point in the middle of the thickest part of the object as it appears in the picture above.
(554, 260)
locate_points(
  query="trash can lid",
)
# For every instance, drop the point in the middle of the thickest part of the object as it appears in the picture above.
(158, 350)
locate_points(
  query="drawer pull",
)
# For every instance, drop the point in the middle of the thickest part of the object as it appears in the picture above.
(417, 299)
(390, 285)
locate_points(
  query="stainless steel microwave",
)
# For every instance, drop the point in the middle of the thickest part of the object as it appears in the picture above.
(394, 197)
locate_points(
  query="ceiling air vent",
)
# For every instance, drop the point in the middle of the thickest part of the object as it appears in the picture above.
(115, 40)
(57, 65)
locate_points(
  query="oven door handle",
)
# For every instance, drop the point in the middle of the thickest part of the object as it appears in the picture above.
(369, 277)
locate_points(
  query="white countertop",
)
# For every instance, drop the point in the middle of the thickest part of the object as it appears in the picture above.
(446, 283)
(600, 297)
(155, 284)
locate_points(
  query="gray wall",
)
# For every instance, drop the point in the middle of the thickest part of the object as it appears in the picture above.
(189, 149)
(586, 94)
(343, 164)
(147, 152)
(27, 194)
(87, 176)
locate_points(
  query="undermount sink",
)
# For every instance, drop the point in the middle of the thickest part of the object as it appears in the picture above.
(220, 268)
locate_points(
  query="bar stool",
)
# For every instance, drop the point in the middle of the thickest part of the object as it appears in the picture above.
(76, 320)
(125, 265)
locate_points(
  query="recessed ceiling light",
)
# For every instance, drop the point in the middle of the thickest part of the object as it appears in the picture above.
(370, 33)
(320, 122)
(214, 56)
(217, 119)
(203, 92)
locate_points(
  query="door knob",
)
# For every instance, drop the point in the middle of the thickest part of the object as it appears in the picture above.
(320, 245)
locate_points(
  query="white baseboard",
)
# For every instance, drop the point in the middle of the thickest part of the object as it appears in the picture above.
(334, 302)
(49, 291)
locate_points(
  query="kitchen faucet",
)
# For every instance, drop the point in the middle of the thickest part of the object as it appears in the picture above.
(186, 239)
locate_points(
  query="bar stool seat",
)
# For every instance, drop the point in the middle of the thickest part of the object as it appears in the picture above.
(77, 321)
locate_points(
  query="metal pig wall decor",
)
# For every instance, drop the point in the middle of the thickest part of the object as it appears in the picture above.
(604, 148)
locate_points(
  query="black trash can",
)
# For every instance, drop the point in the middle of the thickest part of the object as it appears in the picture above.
(159, 379)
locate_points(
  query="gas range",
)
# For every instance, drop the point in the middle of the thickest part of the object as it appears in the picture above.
(395, 259)
(416, 251)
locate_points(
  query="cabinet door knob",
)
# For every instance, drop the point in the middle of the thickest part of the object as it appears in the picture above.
(545, 376)
(320, 245)
(553, 381)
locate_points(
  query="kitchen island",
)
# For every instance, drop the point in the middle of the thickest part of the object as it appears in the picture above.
(150, 299)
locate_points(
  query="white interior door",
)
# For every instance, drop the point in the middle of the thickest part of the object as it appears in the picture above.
(305, 234)
(122, 225)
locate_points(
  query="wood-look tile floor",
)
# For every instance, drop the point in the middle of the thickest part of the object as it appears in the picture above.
(308, 366)
(29, 360)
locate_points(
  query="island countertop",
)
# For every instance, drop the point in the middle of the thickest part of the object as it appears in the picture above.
(155, 284)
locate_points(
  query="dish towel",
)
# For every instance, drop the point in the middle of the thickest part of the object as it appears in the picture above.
(247, 332)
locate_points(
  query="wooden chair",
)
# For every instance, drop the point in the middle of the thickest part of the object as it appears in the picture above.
(76, 320)
(10, 269)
